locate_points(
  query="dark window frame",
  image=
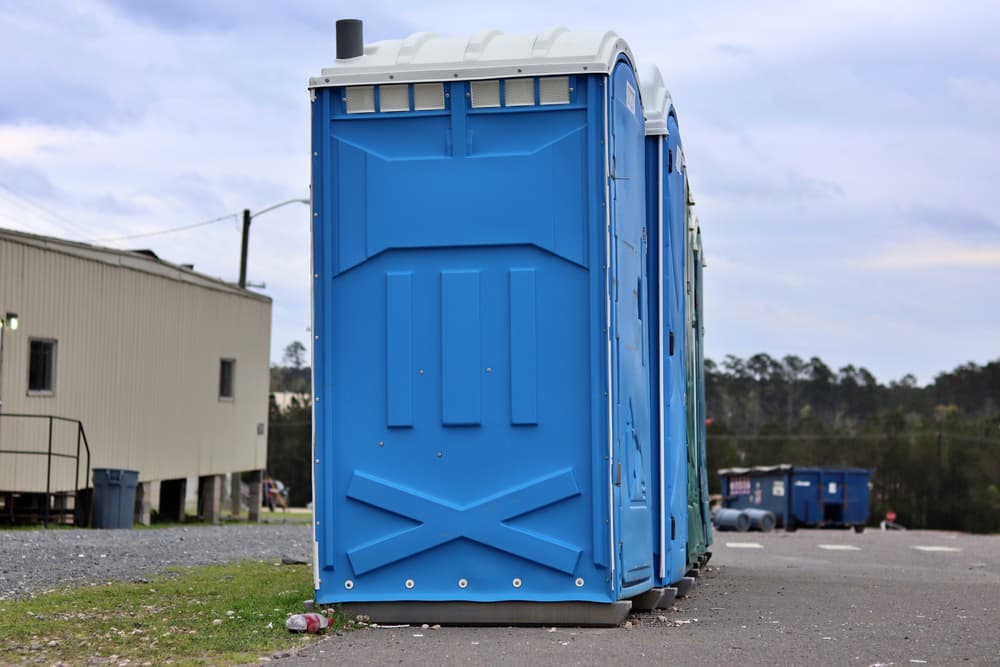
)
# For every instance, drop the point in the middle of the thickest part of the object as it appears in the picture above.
(223, 363)
(49, 388)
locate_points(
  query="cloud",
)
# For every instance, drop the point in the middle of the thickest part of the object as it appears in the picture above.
(925, 255)
(58, 100)
(955, 222)
(25, 179)
(792, 187)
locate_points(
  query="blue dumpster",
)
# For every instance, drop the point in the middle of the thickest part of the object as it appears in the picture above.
(801, 496)
(483, 422)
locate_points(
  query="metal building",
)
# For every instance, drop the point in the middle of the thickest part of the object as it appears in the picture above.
(150, 365)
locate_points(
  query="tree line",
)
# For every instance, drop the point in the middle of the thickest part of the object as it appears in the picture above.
(289, 433)
(934, 449)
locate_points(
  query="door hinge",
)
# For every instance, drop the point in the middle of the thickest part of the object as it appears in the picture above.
(618, 476)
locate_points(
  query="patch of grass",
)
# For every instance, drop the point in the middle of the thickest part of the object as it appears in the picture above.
(34, 526)
(225, 614)
(266, 518)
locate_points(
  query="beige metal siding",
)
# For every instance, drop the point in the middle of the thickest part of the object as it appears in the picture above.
(137, 360)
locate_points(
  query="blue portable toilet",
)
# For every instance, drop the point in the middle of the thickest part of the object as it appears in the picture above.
(699, 516)
(482, 426)
(666, 214)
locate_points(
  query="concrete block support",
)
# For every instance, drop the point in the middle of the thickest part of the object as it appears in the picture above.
(210, 498)
(143, 503)
(256, 494)
(173, 493)
(235, 485)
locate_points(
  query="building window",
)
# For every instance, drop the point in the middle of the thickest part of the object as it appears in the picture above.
(41, 366)
(227, 376)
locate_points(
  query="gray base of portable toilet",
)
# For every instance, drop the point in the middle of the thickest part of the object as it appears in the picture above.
(684, 586)
(583, 614)
(114, 497)
(654, 598)
(667, 597)
(647, 601)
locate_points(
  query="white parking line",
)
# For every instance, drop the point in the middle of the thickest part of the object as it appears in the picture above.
(936, 548)
(744, 545)
(839, 547)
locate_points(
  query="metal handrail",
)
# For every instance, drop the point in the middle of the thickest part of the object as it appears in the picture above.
(81, 438)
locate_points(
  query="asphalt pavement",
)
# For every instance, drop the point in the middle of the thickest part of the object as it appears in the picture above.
(814, 597)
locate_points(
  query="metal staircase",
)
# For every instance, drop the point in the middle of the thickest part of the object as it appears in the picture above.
(60, 505)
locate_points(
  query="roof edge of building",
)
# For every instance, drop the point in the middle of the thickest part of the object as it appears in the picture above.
(129, 259)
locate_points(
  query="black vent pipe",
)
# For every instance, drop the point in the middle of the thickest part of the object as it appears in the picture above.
(350, 38)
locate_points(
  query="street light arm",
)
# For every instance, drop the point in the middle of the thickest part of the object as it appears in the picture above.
(284, 203)
(247, 217)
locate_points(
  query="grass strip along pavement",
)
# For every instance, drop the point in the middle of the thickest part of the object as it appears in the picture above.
(221, 614)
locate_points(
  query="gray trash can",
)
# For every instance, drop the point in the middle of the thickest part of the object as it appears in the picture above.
(114, 497)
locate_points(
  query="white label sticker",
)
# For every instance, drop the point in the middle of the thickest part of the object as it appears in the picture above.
(778, 488)
(831, 488)
(803, 482)
(630, 97)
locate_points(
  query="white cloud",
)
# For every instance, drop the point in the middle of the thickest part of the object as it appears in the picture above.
(926, 254)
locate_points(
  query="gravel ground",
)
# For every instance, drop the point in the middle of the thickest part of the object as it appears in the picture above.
(33, 561)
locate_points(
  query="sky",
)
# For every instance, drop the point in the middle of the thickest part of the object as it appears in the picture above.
(844, 156)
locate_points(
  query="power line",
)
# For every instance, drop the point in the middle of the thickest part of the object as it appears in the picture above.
(24, 203)
(170, 230)
(846, 436)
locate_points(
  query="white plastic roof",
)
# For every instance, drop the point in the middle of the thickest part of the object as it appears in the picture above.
(656, 100)
(426, 56)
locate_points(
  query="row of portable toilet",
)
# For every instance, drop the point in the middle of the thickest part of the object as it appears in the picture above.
(800, 496)
(508, 365)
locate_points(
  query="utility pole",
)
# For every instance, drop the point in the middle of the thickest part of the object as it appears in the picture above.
(243, 253)
(247, 217)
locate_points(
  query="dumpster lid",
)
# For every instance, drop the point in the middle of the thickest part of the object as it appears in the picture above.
(758, 470)
(426, 56)
(656, 101)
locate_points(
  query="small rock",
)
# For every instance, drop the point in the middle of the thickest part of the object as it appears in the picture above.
(217, 621)
(628, 625)
(435, 627)
(290, 560)
(661, 619)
